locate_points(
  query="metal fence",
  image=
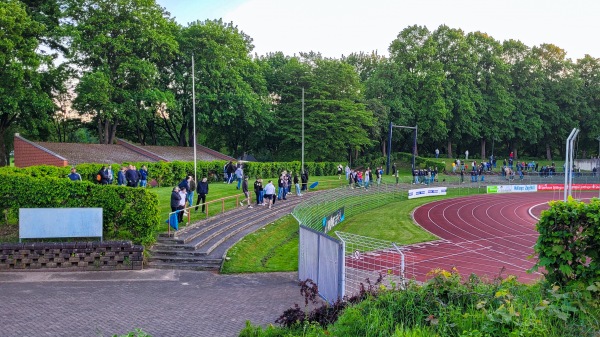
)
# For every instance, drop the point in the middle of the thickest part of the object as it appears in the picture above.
(354, 201)
(321, 260)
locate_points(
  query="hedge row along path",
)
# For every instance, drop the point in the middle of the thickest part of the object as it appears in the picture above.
(481, 234)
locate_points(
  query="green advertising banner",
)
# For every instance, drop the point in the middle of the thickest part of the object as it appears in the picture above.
(492, 189)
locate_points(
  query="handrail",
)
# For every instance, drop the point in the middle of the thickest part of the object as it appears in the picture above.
(206, 204)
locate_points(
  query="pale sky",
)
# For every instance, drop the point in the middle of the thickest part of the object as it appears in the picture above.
(340, 27)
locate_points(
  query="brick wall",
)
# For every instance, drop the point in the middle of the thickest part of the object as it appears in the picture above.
(30, 154)
(71, 256)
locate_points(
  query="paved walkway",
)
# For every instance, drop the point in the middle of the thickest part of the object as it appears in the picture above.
(160, 302)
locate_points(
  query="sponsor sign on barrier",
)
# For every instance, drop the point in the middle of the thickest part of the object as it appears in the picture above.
(426, 192)
(561, 187)
(333, 219)
(512, 188)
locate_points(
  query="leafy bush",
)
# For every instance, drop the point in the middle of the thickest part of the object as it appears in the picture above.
(568, 246)
(448, 305)
(128, 213)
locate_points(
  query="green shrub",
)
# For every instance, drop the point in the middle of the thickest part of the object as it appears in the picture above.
(568, 246)
(128, 213)
(171, 173)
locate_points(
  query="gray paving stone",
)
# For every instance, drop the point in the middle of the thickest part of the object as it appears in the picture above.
(160, 302)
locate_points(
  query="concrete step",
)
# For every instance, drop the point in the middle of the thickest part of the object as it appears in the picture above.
(184, 265)
(183, 259)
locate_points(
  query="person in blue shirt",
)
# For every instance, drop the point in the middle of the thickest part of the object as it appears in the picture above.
(74, 176)
(143, 176)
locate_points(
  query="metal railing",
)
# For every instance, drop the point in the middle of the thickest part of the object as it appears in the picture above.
(222, 202)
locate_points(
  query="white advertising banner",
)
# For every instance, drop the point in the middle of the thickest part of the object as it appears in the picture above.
(426, 192)
(512, 188)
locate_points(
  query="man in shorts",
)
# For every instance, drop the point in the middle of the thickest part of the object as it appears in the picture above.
(270, 193)
(246, 193)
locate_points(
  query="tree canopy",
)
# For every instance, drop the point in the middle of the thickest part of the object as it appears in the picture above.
(128, 65)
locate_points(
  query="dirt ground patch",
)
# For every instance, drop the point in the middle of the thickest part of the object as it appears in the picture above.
(9, 233)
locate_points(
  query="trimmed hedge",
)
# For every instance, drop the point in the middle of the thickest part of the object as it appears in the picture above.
(128, 213)
(171, 173)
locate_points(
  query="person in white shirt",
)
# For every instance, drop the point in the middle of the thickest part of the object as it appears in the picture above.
(270, 193)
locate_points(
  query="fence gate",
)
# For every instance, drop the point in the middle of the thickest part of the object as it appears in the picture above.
(321, 259)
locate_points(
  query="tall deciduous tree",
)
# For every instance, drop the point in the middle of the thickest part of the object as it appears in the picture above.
(493, 82)
(117, 45)
(231, 92)
(336, 119)
(22, 96)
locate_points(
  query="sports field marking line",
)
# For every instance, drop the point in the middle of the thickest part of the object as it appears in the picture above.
(467, 203)
(506, 263)
(451, 255)
(531, 213)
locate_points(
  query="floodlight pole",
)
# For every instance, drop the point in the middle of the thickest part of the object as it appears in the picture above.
(302, 131)
(387, 165)
(194, 116)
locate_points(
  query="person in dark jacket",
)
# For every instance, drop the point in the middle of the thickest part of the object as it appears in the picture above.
(175, 199)
(304, 178)
(121, 176)
(103, 175)
(131, 176)
(202, 189)
(258, 188)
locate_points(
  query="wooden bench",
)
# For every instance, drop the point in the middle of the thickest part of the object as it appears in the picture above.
(47, 223)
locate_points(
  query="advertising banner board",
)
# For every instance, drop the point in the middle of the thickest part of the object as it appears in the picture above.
(426, 192)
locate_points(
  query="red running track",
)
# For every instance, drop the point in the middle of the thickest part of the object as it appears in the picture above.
(482, 234)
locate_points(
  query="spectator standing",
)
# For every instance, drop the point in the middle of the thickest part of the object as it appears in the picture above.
(366, 178)
(230, 171)
(103, 175)
(270, 193)
(339, 171)
(257, 191)
(304, 179)
(202, 192)
(185, 185)
(297, 184)
(144, 176)
(74, 176)
(175, 198)
(121, 181)
(347, 172)
(246, 193)
(394, 169)
(131, 176)
(190, 195)
(467, 155)
(378, 174)
(239, 174)
(437, 153)
(111, 176)
(182, 200)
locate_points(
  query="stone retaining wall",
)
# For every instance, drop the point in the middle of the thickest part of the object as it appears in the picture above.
(71, 256)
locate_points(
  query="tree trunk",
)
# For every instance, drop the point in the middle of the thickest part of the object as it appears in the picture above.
(3, 157)
(515, 155)
(384, 148)
(450, 149)
(548, 152)
(482, 149)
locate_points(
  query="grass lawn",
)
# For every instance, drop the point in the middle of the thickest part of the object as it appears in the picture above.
(275, 247)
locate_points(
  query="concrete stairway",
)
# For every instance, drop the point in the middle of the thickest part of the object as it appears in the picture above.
(203, 245)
